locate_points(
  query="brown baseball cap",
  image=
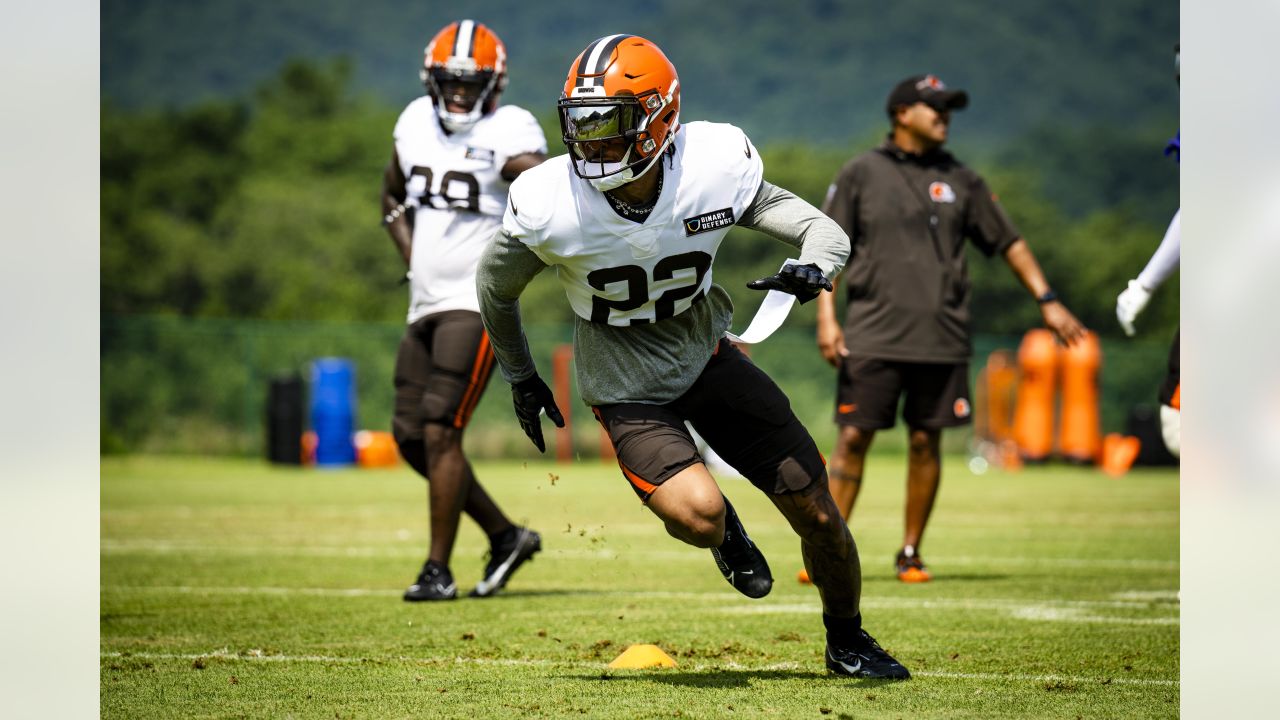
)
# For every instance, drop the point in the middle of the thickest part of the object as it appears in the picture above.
(928, 89)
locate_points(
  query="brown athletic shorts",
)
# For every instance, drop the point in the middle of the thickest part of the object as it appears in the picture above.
(937, 394)
(741, 414)
(442, 368)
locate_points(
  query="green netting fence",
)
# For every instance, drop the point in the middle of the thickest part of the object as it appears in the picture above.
(183, 385)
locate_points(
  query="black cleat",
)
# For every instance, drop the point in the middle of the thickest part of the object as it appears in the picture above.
(505, 558)
(865, 659)
(435, 582)
(740, 561)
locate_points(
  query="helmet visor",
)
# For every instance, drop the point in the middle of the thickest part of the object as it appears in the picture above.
(598, 122)
(601, 134)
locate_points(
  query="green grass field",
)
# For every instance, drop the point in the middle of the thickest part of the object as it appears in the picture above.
(232, 589)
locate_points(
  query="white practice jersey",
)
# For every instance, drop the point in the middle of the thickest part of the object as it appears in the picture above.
(454, 183)
(620, 272)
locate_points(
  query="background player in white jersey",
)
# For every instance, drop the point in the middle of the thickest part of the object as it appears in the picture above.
(1134, 298)
(456, 151)
(631, 219)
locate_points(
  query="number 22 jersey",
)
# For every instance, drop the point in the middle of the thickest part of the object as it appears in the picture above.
(454, 184)
(624, 279)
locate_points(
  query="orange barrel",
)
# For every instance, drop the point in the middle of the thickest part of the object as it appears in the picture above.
(562, 384)
(1033, 414)
(1001, 385)
(1080, 429)
(981, 413)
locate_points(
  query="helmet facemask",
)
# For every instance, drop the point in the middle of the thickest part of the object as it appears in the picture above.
(608, 138)
(486, 84)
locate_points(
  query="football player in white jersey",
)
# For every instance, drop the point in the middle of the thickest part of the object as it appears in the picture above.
(631, 219)
(456, 152)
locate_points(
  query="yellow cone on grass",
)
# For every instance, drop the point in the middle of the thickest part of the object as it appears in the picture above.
(639, 657)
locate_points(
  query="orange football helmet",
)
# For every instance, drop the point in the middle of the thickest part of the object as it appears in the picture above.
(620, 109)
(464, 64)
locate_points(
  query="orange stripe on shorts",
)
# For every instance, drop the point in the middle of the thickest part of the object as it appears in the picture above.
(479, 372)
(640, 483)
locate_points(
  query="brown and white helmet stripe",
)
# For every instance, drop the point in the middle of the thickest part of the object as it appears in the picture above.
(594, 61)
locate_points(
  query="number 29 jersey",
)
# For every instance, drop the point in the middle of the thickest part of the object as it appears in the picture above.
(619, 272)
(454, 184)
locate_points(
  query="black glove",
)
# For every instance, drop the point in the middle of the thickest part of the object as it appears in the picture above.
(803, 281)
(531, 396)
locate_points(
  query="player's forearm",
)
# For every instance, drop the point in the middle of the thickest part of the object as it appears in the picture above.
(779, 213)
(1024, 265)
(400, 231)
(827, 304)
(505, 269)
(395, 218)
(1166, 257)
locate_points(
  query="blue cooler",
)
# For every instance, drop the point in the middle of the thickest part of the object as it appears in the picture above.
(333, 410)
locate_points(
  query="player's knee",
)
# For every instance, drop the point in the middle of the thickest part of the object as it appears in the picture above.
(818, 521)
(413, 450)
(441, 436)
(923, 444)
(700, 520)
(828, 531)
(853, 441)
(704, 520)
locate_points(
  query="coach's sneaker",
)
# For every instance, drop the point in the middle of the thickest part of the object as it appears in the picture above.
(865, 659)
(505, 557)
(910, 567)
(739, 560)
(435, 582)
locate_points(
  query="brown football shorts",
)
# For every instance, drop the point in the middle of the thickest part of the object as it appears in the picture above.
(442, 368)
(934, 395)
(740, 413)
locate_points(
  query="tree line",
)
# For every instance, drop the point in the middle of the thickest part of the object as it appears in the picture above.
(267, 207)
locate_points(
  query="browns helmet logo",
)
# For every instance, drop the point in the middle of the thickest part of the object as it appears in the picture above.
(941, 192)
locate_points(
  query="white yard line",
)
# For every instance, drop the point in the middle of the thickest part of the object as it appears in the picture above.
(1049, 611)
(145, 546)
(251, 656)
(931, 603)
(1065, 611)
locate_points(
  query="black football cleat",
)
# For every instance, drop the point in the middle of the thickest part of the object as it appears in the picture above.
(740, 561)
(505, 558)
(865, 659)
(435, 582)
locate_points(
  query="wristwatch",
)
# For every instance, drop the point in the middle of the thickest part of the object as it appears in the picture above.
(1047, 296)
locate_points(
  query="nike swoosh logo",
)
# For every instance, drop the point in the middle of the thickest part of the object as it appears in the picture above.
(747, 572)
(746, 149)
(845, 408)
(850, 668)
(503, 569)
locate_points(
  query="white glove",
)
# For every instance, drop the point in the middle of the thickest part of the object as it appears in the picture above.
(1130, 304)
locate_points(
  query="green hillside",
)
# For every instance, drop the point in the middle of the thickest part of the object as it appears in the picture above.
(815, 70)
